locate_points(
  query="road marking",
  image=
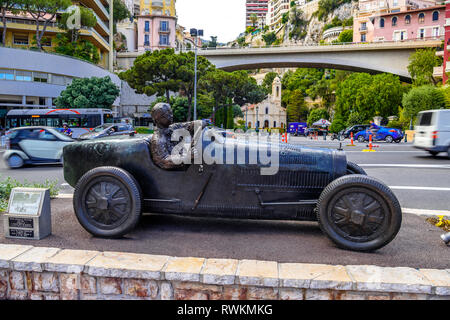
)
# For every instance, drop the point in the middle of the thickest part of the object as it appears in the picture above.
(423, 212)
(419, 188)
(422, 166)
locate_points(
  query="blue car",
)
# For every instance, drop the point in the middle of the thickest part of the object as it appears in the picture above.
(383, 134)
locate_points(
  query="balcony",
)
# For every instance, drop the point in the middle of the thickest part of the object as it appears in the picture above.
(363, 29)
(164, 30)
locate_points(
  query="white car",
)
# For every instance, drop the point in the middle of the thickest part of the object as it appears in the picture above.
(432, 131)
(34, 145)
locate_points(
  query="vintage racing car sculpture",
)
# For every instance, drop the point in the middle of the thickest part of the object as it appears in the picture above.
(116, 180)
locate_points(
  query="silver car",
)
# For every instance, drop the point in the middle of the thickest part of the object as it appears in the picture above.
(107, 130)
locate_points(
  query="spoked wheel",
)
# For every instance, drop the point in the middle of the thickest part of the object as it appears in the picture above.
(389, 139)
(359, 213)
(107, 202)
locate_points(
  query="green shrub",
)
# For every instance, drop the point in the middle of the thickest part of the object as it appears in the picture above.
(9, 183)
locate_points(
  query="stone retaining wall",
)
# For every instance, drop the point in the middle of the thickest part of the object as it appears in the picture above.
(28, 272)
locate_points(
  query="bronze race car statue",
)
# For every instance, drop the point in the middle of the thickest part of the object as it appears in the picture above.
(117, 179)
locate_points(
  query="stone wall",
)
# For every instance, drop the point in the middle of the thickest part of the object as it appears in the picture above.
(28, 272)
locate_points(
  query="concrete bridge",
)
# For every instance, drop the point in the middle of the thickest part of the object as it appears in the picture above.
(390, 57)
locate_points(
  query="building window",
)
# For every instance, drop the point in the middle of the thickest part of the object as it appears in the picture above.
(363, 37)
(422, 33)
(6, 74)
(164, 40)
(274, 124)
(147, 26)
(267, 110)
(164, 26)
(381, 23)
(394, 21)
(23, 75)
(146, 40)
(59, 80)
(435, 16)
(395, 3)
(408, 19)
(21, 39)
(435, 31)
(40, 77)
(421, 17)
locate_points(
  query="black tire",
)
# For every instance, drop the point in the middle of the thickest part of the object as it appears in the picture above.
(448, 152)
(398, 140)
(433, 153)
(389, 139)
(361, 139)
(367, 224)
(353, 168)
(93, 200)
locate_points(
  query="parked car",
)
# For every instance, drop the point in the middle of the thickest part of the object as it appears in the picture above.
(298, 128)
(432, 131)
(355, 129)
(34, 145)
(320, 132)
(106, 130)
(383, 134)
(116, 180)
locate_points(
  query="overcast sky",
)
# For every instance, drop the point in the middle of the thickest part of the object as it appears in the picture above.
(222, 18)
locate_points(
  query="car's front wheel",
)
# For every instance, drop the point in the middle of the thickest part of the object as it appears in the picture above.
(107, 202)
(353, 168)
(389, 139)
(15, 161)
(359, 213)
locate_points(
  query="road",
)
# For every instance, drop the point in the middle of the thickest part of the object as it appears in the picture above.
(419, 181)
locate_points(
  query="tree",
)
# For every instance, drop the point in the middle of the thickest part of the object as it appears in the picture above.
(89, 93)
(422, 98)
(253, 19)
(185, 73)
(81, 49)
(120, 12)
(213, 42)
(269, 38)
(268, 81)
(296, 108)
(298, 22)
(346, 36)
(317, 114)
(154, 73)
(43, 12)
(87, 20)
(246, 90)
(8, 6)
(421, 64)
(354, 118)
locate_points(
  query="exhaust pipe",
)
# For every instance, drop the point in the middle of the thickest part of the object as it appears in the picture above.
(446, 237)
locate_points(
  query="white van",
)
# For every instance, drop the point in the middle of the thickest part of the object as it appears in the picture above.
(433, 131)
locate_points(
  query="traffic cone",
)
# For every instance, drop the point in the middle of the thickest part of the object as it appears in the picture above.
(351, 141)
(370, 145)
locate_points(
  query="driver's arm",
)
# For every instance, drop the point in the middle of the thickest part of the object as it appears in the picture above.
(189, 126)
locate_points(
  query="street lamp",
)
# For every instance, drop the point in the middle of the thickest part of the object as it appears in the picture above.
(195, 34)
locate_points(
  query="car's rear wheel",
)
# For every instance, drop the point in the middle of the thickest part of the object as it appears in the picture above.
(107, 202)
(361, 139)
(359, 213)
(389, 139)
(15, 161)
(398, 140)
(433, 153)
(353, 168)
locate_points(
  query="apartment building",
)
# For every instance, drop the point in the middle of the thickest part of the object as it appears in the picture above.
(258, 8)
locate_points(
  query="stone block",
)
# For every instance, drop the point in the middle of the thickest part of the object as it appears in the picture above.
(258, 273)
(184, 269)
(235, 293)
(219, 271)
(44, 281)
(3, 284)
(291, 294)
(401, 279)
(313, 294)
(440, 280)
(17, 280)
(314, 276)
(190, 295)
(9, 252)
(111, 286)
(17, 295)
(33, 259)
(69, 286)
(70, 261)
(166, 291)
(141, 288)
(258, 293)
(127, 265)
(88, 284)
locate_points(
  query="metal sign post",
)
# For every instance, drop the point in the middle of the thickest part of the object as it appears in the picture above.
(28, 215)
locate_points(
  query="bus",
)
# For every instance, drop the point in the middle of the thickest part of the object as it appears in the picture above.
(79, 120)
